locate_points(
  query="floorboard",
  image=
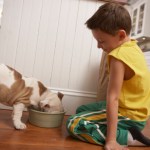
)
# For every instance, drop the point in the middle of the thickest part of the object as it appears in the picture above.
(36, 138)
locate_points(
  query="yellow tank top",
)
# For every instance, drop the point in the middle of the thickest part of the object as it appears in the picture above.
(134, 99)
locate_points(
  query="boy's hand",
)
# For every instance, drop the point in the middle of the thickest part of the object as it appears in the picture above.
(113, 145)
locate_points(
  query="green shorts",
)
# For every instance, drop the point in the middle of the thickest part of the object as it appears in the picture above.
(89, 124)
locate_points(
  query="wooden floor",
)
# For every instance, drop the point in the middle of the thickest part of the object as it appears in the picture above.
(35, 138)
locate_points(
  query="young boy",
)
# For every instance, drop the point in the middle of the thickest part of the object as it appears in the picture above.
(118, 120)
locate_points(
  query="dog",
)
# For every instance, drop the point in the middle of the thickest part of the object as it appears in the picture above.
(22, 92)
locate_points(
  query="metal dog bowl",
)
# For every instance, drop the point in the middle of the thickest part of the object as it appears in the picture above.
(45, 119)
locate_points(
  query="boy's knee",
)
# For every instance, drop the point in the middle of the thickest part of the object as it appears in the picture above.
(78, 110)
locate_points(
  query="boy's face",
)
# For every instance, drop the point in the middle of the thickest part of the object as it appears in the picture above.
(106, 41)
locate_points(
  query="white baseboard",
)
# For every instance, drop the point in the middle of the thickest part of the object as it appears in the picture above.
(75, 92)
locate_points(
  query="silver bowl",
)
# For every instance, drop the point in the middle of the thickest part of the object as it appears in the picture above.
(45, 119)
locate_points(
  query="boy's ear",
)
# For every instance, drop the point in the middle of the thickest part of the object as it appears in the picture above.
(60, 95)
(122, 34)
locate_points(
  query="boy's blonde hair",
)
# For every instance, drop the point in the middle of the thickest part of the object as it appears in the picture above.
(110, 18)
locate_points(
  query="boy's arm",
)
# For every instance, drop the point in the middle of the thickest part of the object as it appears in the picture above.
(117, 70)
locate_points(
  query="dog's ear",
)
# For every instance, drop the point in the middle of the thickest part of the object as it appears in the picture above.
(60, 95)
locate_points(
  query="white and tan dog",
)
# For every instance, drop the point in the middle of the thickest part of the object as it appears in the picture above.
(20, 92)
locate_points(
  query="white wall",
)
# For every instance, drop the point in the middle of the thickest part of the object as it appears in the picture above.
(147, 57)
(47, 39)
(1, 8)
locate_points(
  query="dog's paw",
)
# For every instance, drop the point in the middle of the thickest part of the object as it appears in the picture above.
(19, 125)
